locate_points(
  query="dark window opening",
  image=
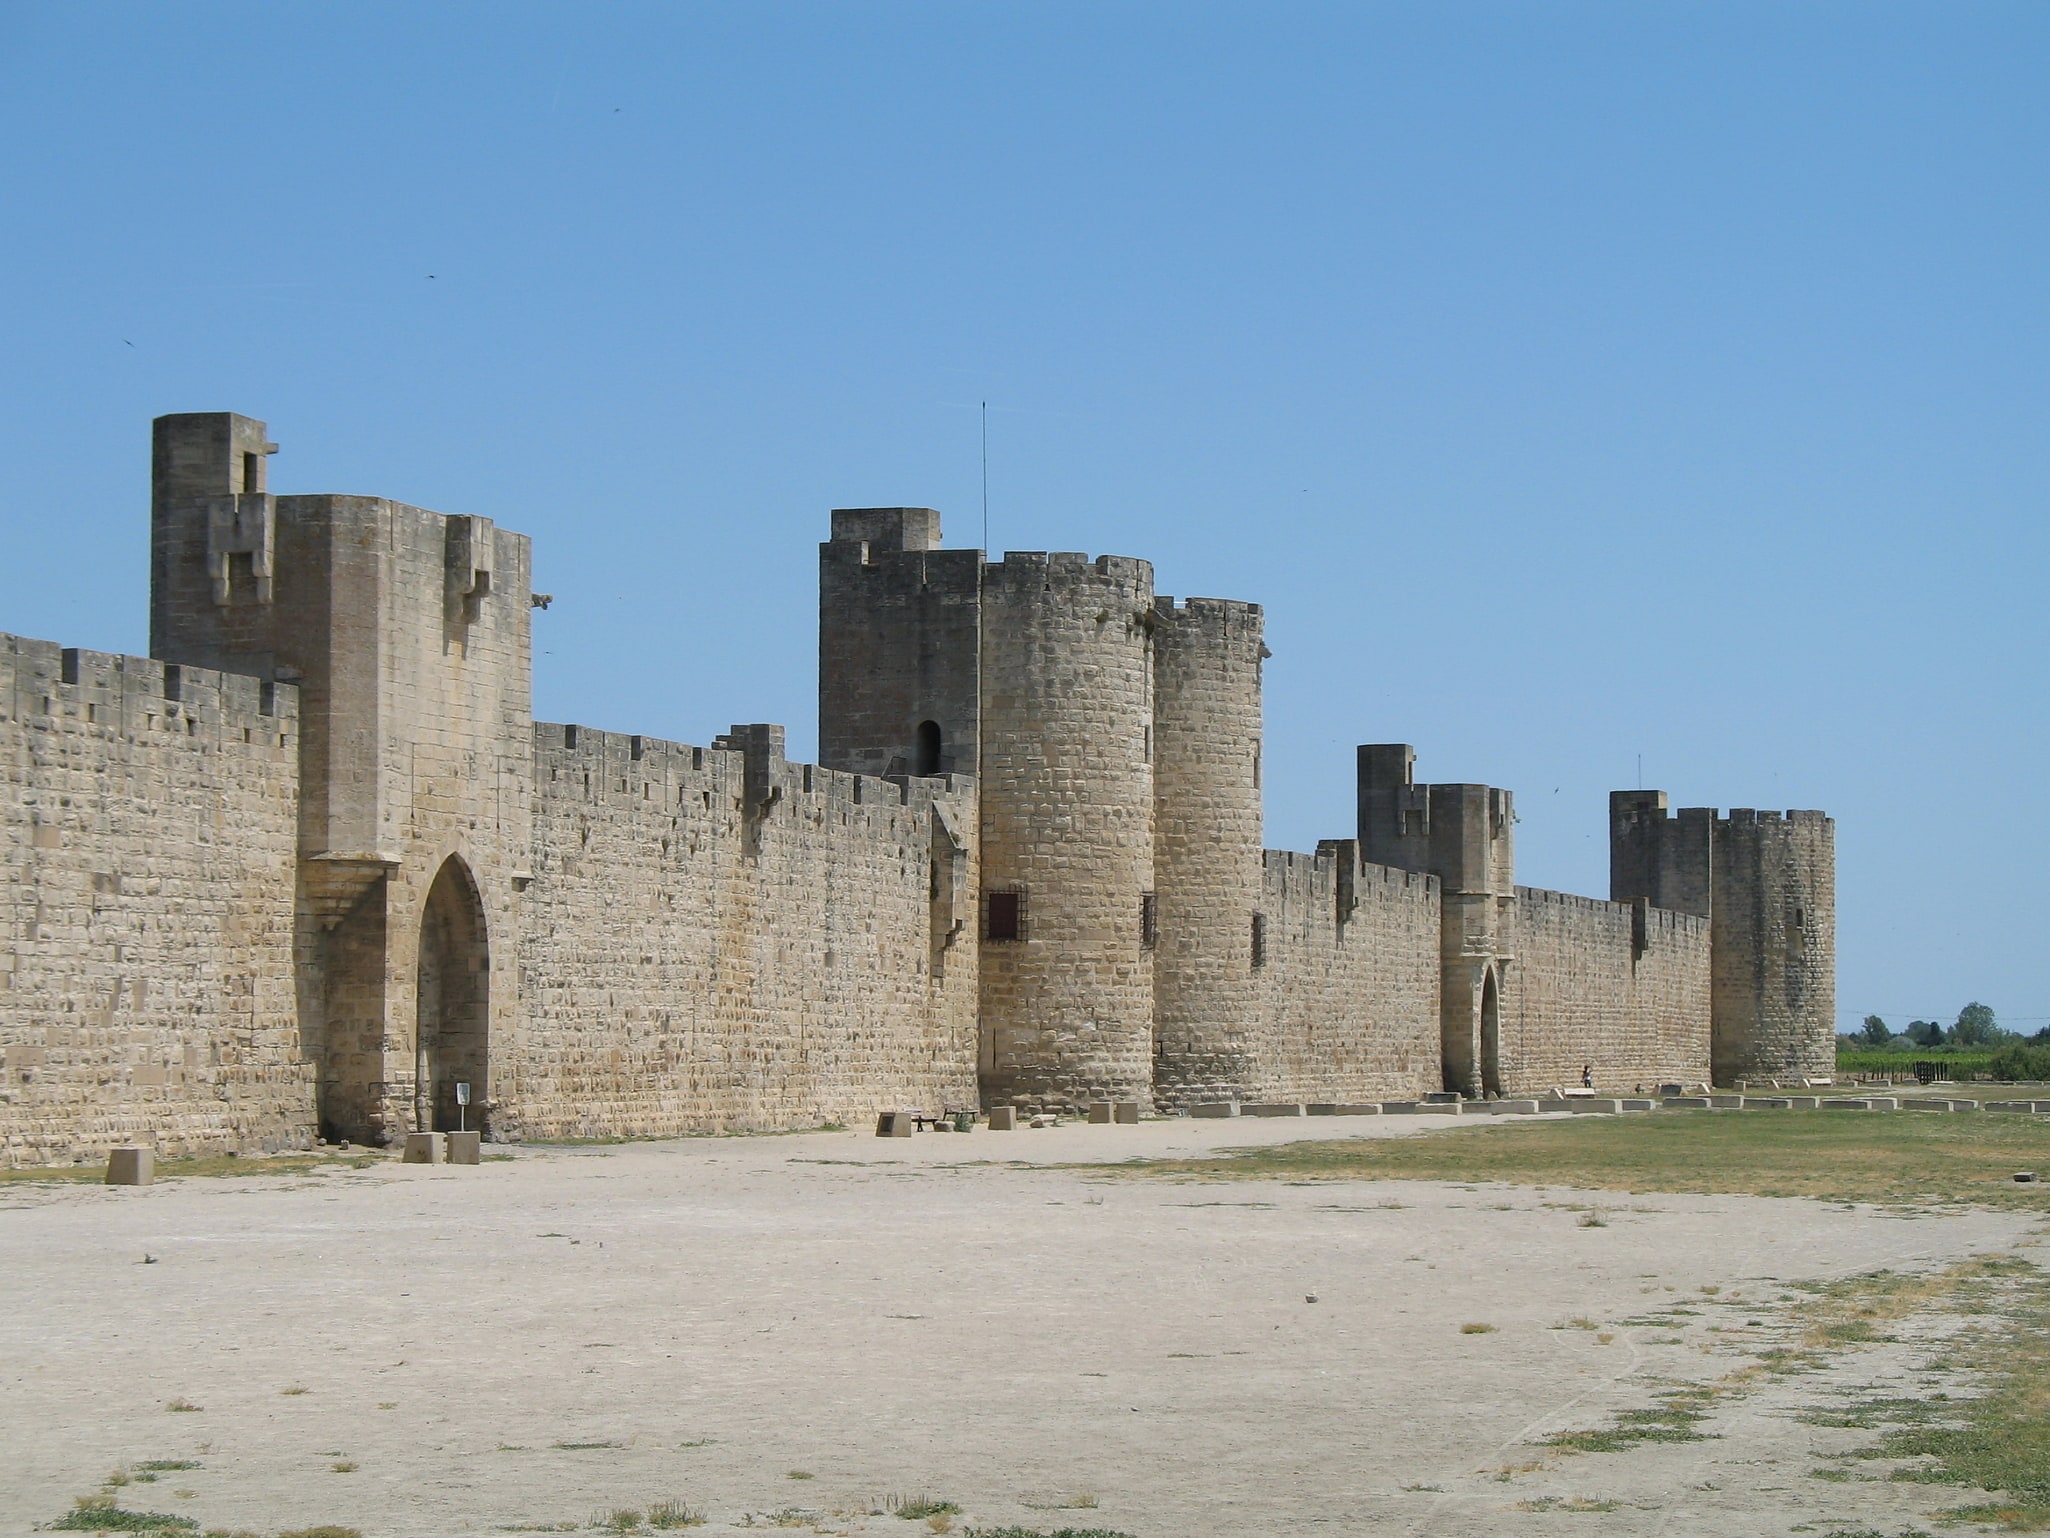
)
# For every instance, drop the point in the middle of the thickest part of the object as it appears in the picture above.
(1259, 941)
(252, 474)
(928, 752)
(1149, 920)
(1004, 916)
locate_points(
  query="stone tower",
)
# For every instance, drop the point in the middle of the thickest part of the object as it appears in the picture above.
(1767, 885)
(1034, 675)
(407, 634)
(1463, 835)
(1207, 657)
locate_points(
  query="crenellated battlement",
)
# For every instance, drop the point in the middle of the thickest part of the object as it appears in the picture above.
(120, 694)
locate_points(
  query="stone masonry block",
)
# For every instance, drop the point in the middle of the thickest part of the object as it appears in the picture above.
(131, 1167)
(893, 1124)
(1215, 1108)
(1003, 1118)
(1272, 1110)
(422, 1148)
(465, 1147)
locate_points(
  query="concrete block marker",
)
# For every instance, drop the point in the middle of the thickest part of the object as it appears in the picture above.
(1276, 1109)
(1882, 1103)
(2020, 1107)
(1597, 1104)
(1513, 1107)
(422, 1148)
(2024, 1177)
(1215, 1108)
(131, 1167)
(1101, 1113)
(1689, 1103)
(1321, 1108)
(465, 1147)
(1727, 1102)
(1369, 1108)
(893, 1124)
(1003, 1118)
(1441, 1108)
(1841, 1103)
(1638, 1104)
(1803, 1102)
(1767, 1103)
(1125, 1113)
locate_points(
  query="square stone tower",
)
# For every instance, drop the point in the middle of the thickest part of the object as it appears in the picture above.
(407, 632)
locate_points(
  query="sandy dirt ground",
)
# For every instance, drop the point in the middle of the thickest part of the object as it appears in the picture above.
(565, 1332)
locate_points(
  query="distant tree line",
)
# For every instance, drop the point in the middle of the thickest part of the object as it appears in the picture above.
(2009, 1054)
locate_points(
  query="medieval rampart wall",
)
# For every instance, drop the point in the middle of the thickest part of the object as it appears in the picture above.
(717, 939)
(1349, 979)
(1622, 988)
(149, 827)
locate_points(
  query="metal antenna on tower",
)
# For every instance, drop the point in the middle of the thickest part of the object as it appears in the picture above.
(985, 478)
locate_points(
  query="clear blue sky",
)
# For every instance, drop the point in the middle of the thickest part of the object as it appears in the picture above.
(1572, 382)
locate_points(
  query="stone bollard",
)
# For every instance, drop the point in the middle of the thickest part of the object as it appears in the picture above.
(1125, 1113)
(1100, 1113)
(422, 1148)
(131, 1167)
(893, 1124)
(465, 1147)
(1003, 1118)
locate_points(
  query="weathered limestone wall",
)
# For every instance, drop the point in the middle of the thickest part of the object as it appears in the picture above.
(1775, 944)
(1349, 980)
(1622, 988)
(718, 939)
(1207, 856)
(148, 822)
(1067, 824)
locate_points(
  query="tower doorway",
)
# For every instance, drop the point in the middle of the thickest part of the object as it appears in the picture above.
(1491, 1034)
(928, 750)
(452, 1032)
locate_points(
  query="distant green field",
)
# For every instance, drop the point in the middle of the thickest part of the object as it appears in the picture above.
(1882, 1060)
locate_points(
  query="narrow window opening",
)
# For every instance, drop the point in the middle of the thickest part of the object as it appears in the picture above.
(929, 745)
(252, 474)
(1149, 744)
(1259, 941)
(1004, 915)
(1149, 920)
(1256, 763)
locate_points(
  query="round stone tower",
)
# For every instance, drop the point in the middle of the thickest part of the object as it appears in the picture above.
(1206, 798)
(1067, 829)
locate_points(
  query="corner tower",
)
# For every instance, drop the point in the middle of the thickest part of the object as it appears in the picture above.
(1766, 882)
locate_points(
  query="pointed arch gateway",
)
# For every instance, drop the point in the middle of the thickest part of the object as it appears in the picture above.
(452, 1024)
(1491, 1033)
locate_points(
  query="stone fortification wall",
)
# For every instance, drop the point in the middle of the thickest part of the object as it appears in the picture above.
(148, 821)
(1067, 810)
(718, 939)
(1619, 987)
(1775, 944)
(1206, 856)
(1348, 979)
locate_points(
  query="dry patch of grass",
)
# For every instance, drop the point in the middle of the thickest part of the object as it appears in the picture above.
(1896, 1158)
(213, 1164)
